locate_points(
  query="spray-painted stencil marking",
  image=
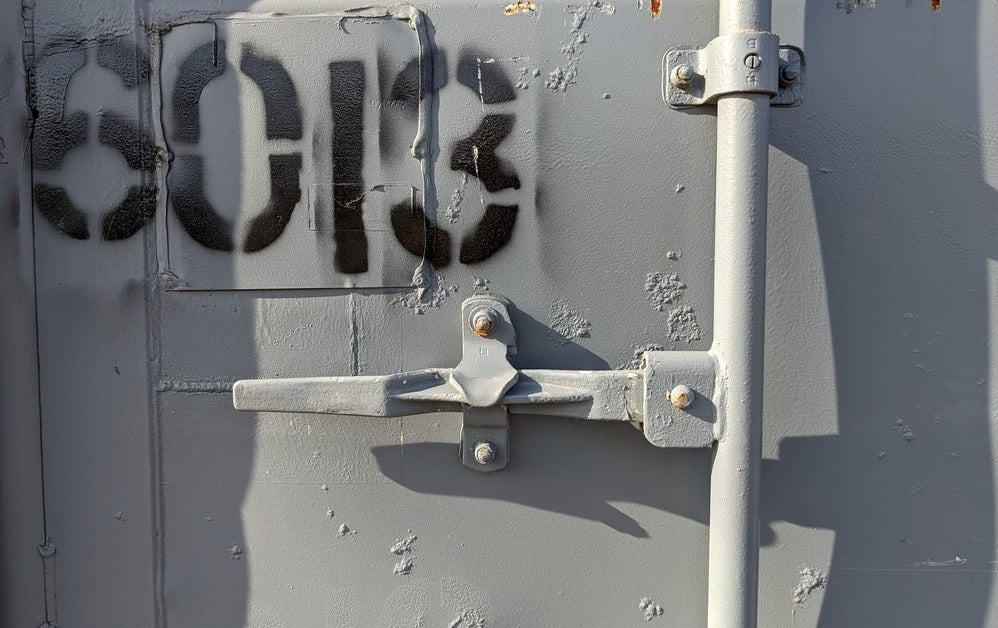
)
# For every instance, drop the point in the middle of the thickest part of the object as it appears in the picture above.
(58, 132)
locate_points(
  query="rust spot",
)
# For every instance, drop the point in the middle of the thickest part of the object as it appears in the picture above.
(936, 4)
(656, 9)
(522, 6)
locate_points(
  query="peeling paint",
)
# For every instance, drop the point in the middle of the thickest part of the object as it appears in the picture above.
(663, 290)
(167, 384)
(849, 5)
(431, 289)
(345, 530)
(683, 325)
(403, 545)
(656, 9)
(811, 580)
(466, 601)
(524, 81)
(936, 4)
(639, 351)
(481, 284)
(568, 324)
(561, 78)
(650, 608)
(403, 567)
(956, 560)
(453, 211)
(901, 427)
(236, 551)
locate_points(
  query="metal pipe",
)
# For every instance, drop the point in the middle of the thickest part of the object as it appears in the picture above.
(739, 311)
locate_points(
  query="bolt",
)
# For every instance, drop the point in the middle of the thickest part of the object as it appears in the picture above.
(682, 396)
(789, 72)
(483, 321)
(485, 452)
(753, 61)
(682, 75)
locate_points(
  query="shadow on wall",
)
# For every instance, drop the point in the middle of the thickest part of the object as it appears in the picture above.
(906, 228)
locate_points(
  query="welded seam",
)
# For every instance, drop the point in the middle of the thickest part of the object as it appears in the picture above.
(154, 363)
(28, 63)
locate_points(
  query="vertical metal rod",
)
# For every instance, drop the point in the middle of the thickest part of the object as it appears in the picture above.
(739, 310)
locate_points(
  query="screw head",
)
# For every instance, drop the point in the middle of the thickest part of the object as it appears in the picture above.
(682, 75)
(485, 452)
(789, 72)
(682, 396)
(484, 321)
(753, 61)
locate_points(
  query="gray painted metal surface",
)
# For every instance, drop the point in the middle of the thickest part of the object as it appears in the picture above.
(167, 506)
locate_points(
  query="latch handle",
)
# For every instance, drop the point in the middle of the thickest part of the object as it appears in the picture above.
(485, 387)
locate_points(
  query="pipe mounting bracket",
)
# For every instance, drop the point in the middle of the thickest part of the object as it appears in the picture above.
(746, 62)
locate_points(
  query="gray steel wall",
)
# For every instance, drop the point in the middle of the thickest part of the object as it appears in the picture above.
(166, 506)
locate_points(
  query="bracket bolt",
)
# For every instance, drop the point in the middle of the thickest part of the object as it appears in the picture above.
(682, 396)
(682, 75)
(46, 550)
(789, 72)
(483, 321)
(485, 452)
(753, 61)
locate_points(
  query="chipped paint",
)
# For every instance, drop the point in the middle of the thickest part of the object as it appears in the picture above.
(345, 530)
(656, 9)
(568, 324)
(683, 325)
(811, 580)
(663, 290)
(523, 6)
(936, 5)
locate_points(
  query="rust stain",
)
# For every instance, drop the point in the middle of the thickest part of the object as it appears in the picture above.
(936, 4)
(656, 9)
(522, 6)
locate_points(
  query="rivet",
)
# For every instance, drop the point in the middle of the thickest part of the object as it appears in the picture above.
(753, 61)
(483, 321)
(682, 75)
(682, 396)
(485, 452)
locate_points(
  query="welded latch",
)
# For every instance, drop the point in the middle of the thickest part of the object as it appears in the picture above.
(746, 62)
(673, 396)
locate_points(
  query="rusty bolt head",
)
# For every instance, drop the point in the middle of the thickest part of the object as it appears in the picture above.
(683, 75)
(682, 396)
(485, 452)
(484, 321)
(753, 61)
(789, 72)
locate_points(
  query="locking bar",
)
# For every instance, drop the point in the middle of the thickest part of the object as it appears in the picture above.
(743, 62)
(674, 396)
